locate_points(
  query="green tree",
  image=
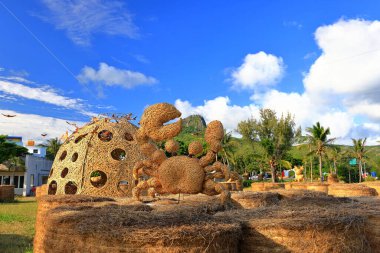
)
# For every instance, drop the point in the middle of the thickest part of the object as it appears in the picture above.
(10, 149)
(53, 146)
(275, 135)
(319, 143)
(335, 154)
(360, 153)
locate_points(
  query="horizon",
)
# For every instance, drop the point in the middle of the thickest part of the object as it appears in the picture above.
(224, 61)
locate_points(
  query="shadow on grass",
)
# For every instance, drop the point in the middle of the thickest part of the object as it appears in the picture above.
(12, 243)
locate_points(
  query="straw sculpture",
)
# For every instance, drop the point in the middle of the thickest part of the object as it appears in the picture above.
(41, 190)
(332, 178)
(299, 173)
(7, 193)
(97, 159)
(179, 174)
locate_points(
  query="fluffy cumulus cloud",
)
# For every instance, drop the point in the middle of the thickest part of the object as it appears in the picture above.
(83, 18)
(221, 109)
(341, 88)
(112, 76)
(31, 126)
(260, 69)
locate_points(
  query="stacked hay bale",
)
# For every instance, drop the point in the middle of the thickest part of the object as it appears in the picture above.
(350, 190)
(266, 186)
(97, 160)
(298, 186)
(374, 184)
(286, 221)
(7, 193)
(99, 226)
(318, 187)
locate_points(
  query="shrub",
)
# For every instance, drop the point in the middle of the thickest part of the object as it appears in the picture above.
(247, 183)
(369, 178)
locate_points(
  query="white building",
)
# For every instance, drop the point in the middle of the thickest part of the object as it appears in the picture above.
(37, 169)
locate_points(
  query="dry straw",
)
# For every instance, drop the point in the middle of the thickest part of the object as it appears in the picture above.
(106, 149)
(283, 221)
(350, 190)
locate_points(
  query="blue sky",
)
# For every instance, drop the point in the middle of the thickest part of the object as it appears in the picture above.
(68, 60)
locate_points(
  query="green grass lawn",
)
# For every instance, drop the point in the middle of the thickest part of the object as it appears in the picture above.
(17, 225)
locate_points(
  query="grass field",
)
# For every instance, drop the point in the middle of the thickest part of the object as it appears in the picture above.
(17, 225)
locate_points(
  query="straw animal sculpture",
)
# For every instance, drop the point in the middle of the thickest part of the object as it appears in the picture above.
(299, 173)
(179, 174)
(97, 159)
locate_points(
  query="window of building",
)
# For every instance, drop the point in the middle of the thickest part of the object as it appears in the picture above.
(35, 151)
(21, 181)
(6, 180)
(31, 180)
(1, 180)
(44, 179)
(15, 181)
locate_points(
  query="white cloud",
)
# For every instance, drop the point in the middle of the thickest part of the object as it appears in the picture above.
(31, 126)
(349, 60)
(81, 19)
(221, 109)
(43, 94)
(260, 69)
(112, 76)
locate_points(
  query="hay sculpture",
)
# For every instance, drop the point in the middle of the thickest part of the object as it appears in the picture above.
(299, 174)
(97, 159)
(179, 174)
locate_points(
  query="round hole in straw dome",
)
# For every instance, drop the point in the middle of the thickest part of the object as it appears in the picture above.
(74, 157)
(128, 136)
(98, 178)
(63, 155)
(64, 172)
(118, 154)
(52, 188)
(105, 135)
(71, 188)
(123, 186)
(79, 138)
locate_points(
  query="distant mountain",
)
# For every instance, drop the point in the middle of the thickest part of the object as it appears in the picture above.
(194, 124)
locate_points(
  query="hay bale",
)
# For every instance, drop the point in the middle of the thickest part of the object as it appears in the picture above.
(299, 186)
(375, 185)
(288, 186)
(7, 193)
(320, 187)
(257, 187)
(41, 190)
(107, 227)
(350, 190)
(248, 200)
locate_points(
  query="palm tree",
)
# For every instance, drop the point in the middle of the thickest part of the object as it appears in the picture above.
(53, 146)
(335, 154)
(317, 138)
(359, 151)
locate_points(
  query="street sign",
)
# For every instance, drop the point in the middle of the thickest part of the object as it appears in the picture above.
(353, 161)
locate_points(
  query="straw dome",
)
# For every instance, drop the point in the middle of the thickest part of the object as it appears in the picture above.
(97, 160)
